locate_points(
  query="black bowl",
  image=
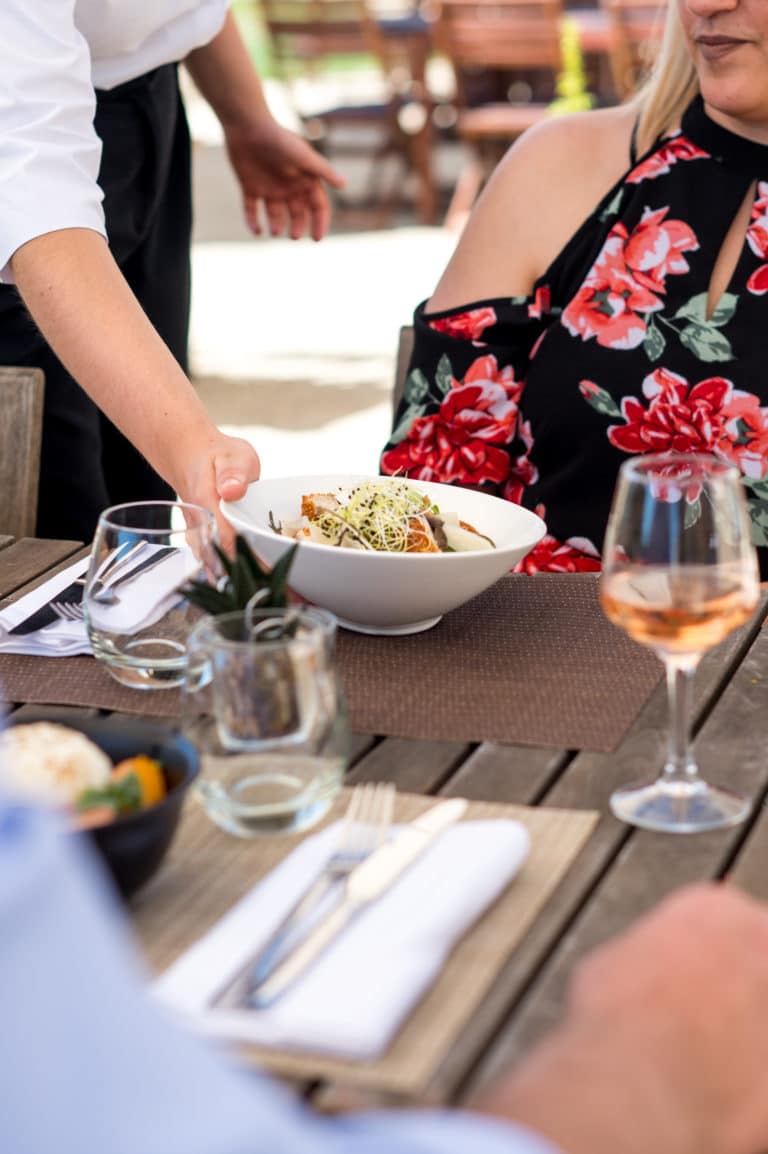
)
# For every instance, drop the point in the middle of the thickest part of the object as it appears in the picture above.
(133, 846)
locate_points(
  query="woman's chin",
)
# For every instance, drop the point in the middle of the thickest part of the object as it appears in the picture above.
(737, 109)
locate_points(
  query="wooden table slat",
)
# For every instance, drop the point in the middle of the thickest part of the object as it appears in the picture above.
(28, 562)
(415, 766)
(518, 774)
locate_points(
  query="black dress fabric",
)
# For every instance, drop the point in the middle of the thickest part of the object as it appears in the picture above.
(540, 399)
(86, 463)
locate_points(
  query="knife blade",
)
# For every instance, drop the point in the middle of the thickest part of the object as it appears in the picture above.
(366, 883)
(44, 616)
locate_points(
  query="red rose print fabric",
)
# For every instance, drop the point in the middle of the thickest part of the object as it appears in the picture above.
(470, 325)
(757, 238)
(628, 280)
(660, 162)
(710, 416)
(461, 442)
(576, 555)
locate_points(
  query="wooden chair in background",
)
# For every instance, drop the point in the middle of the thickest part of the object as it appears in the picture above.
(517, 40)
(21, 403)
(306, 36)
(635, 28)
(402, 361)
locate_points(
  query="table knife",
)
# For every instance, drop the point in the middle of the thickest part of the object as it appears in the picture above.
(366, 883)
(44, 616)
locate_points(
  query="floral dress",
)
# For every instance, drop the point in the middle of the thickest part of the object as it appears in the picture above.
(539, 399)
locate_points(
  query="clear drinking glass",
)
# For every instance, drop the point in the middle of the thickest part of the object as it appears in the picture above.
(679, 573)
(268, 718)
(137, 619)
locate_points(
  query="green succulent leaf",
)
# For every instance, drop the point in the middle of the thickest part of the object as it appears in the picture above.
(278, 578)
(244, 576)
(207, 598)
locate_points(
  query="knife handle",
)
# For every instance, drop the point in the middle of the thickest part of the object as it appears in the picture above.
(286, 973)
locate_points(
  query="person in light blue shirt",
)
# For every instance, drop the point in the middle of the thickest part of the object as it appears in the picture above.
(89, 1064)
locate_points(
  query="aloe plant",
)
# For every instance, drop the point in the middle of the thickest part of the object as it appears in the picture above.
(245, 583)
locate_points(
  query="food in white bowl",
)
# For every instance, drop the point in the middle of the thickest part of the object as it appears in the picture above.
(374, 591)
(383, 515)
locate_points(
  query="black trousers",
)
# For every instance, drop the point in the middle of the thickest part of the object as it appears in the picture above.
(86, 464)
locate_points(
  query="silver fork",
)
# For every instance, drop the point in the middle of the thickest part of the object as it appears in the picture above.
(365, 827)
(67, 611)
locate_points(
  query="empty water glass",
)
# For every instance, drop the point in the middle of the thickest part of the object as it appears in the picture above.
(137, 618)
(262, 704)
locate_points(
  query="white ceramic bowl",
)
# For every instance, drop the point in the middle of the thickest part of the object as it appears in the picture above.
(388, 593)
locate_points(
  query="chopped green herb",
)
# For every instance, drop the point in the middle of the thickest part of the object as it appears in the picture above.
(124, 795)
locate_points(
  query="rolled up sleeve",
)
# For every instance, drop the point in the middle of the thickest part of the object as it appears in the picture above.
(49, 150)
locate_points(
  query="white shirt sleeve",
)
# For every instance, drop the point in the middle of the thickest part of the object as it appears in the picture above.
(91, 1064)
(49, 150)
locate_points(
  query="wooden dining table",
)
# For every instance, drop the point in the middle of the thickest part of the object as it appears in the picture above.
(619, 874)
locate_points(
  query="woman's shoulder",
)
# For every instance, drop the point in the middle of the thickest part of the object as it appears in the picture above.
(564, 136)
(548, 183)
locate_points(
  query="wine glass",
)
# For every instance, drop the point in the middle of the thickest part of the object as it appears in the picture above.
(679, 574)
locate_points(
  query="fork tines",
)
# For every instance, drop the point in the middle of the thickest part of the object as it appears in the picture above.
(68, 611)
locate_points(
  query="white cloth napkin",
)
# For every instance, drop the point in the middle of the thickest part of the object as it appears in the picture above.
(142, 601)
(351, 1002)
(62, 639)
(149, 596)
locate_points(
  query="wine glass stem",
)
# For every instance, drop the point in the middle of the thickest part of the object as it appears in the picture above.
(681, 764)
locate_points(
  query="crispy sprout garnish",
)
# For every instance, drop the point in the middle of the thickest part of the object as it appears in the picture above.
(376, 516)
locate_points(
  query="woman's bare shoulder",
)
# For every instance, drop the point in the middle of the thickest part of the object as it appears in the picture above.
(544, 188)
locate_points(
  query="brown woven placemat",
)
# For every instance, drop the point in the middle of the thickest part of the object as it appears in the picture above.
(78, 681)
(532, 661)
(207, 872)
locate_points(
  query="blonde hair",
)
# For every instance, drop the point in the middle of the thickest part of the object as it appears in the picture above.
(670, 87)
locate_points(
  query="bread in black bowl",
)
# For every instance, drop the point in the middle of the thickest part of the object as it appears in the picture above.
(133, 845)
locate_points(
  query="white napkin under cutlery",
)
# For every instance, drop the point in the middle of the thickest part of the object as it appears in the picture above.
(140, 603)
(358, 992)
(62, 639)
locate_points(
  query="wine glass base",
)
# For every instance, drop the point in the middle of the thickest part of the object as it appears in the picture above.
(679, 807)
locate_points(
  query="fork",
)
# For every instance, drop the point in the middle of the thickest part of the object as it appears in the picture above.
(67, 610)
(365, 827)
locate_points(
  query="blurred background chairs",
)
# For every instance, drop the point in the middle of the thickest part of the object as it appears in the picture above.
(419, 99)
(506, 57)
(635, 28)
(317, 47)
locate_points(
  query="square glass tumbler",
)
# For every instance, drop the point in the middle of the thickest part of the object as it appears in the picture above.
(267, 716)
